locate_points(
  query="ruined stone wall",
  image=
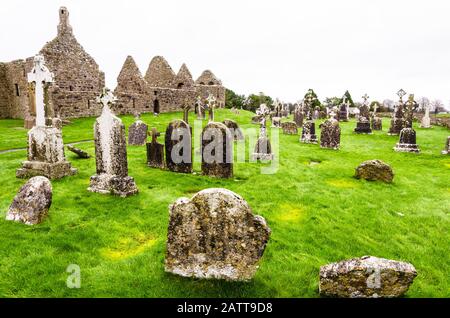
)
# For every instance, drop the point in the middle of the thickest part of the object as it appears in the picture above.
(5, 93)
(78, 80)
(217, 90)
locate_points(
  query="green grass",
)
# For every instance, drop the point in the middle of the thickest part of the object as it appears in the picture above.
(318, 214)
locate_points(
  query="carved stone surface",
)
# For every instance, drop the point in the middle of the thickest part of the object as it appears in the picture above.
(217, 151)
(215, 235)
(366, 277)
(111, 157)
(289, 128)
(31, 204)
(263, 149)
(407, 141)
(45, 155)
(137, 133)
(155, 152)
(363, 126)
(298, 117)
(330, 135)
(276, 122)
(309, 133)
(373, 170)
(178, 147)
(376, 123)
(446, 150)
(234, 128)
(80, 153)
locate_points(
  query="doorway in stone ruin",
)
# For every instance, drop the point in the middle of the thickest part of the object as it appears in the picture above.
(156, 106)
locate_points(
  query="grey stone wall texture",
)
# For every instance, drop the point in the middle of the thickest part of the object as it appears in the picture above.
(79, 80)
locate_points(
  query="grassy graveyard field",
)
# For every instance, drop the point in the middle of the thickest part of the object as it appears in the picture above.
(317, 211)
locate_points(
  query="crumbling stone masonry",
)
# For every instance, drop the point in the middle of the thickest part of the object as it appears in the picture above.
(78, 79)
(161, 90)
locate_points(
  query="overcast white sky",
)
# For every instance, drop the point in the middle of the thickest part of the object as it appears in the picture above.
(280, 47)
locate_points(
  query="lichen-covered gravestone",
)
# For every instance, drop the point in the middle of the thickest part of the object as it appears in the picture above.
(178, 147)
(45, 144)
(263, 148)
(398, 120)
(289, 128)
(215, 235)
(111, 153)
(31, 204)
(137, 133)
(309, 133)
(330, 136)
(217, 151)
(363, 123)
(234, 128)
(446, 150)
(366, 277)
(374, 170)
(155, 151)
(407, 142)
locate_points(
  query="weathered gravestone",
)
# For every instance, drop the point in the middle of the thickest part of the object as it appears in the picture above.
(137, 133)
(289, 128)
(215, 235)
(446, 150)
(178, 147)
(344, 109)
(398, 121)
(374, 170)
(276, 122)
(155, 151)
(111, 153)
(426, 120)
(309, 133)
(31, 204)
(217, 151)
(407, 142)
(45, 144)
(80, 153)
(366, 277)
(298, 116)
(235, 129)
(199, 108)
(263, 148)
(330, 135)
(363, 123)
(375, 121)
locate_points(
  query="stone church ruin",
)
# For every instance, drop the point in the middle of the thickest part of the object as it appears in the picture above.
(79, 80)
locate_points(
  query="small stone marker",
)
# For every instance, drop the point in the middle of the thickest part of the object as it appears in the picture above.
(446, 150)
(137, 133)
(309, 133)
(217, 151)
(111, 153)
(263, 148)
(426, 121)
(289, 128)
(363, 123)
(80, 153)
(374, 170)
(366, 277)
(375, 121)
(178, 146)
(330, 135)
(276, 122)
(155, 151)
(211, 105)
(31, 204)
(398, 121)
(215, 235)
(407, 142)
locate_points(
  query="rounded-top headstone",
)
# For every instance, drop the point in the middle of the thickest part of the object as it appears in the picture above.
(31, 204)
(215, 235)
(373, 170)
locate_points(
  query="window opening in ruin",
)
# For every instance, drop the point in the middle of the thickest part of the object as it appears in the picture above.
(134, 103)
(210, 83)
(17, 89)
(70, 88)
(201, 83)
(155, 93)
(180, 85)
